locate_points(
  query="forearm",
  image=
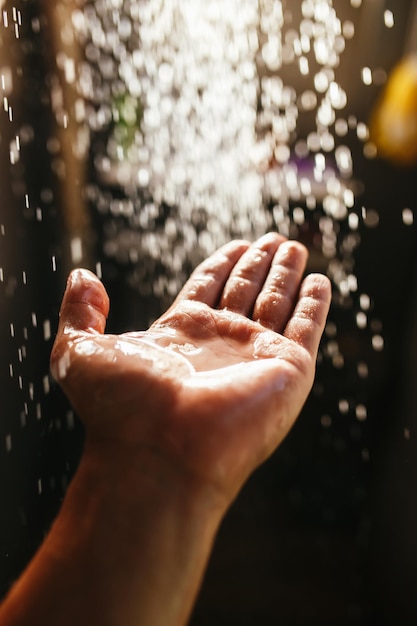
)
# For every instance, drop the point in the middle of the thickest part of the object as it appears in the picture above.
(128, 548)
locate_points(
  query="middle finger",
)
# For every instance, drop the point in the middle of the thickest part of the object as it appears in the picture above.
(248, 276)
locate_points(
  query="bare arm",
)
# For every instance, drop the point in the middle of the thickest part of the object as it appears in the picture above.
(176, 419)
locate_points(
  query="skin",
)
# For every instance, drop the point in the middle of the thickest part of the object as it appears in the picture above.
(176, 419)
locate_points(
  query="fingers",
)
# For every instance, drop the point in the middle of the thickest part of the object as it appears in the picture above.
(208, 279)
(306, 324)
(275, 302)
(260, 281)
(249, 274)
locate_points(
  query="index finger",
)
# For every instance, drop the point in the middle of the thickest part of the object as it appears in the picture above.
(208, 279)
(306, 325)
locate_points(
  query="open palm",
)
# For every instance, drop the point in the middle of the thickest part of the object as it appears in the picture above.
(216, 383)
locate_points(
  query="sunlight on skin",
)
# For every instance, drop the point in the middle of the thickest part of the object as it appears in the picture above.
(190, 356)
(210, 339)
(228, 367)
(176, 419)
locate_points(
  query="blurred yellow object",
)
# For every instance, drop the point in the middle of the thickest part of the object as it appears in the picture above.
(393, 124)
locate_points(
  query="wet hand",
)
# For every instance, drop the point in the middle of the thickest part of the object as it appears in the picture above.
(217, 382)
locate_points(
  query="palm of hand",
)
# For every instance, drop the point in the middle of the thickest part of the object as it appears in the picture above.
(209, 339)
(218, 380)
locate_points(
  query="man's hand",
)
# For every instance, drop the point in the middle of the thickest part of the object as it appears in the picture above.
(215, 384)
(176, 419)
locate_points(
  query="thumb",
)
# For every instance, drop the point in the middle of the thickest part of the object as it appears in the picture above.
(85, 304)
(84, 309)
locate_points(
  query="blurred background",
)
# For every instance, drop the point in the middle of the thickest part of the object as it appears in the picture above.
(138, 136)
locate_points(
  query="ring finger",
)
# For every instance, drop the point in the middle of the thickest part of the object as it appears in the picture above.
(275, 304)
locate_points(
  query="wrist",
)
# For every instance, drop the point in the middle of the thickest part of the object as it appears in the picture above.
(132, 531)
(157, 526)
(131, 475)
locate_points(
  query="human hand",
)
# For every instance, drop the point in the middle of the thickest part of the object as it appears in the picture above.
(213, 387)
